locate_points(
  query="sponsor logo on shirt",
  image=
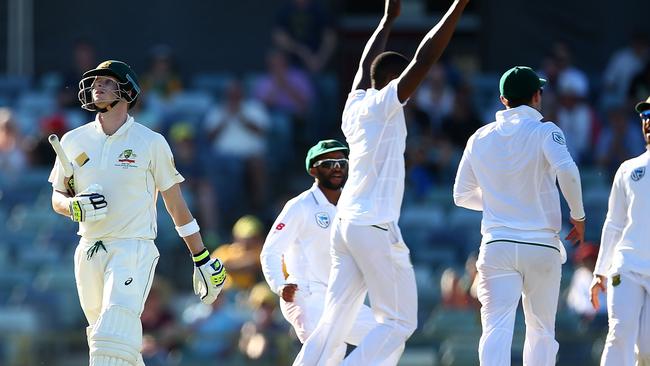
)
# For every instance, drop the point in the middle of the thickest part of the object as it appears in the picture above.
(557, 137)
(127, 159)
(638, 173)
(323, 219)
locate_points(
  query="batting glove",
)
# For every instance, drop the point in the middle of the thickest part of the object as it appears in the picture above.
(89, 205)
(209, 277)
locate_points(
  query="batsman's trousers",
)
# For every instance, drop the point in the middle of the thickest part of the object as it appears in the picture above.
(114, 273)
(508, 271)
(372, 259)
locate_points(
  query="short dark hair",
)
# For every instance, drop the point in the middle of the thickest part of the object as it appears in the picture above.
(385, 65)
(516, 102)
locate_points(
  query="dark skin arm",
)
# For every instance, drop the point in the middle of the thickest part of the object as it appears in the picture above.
(429, 51)
(376, 44)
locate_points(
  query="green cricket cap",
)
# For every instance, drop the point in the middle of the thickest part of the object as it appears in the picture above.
(323, 147)
(520, 82)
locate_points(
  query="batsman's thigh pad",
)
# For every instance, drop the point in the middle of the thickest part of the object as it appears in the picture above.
(117, 335)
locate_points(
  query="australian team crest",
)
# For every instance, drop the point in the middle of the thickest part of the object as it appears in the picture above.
(638, 173)
(127, 159)
(323, 219)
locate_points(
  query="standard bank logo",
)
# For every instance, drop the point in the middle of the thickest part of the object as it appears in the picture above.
(323, 219)
(638, 173)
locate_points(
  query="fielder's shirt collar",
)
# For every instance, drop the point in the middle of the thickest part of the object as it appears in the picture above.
(319, 196)
(522, 112)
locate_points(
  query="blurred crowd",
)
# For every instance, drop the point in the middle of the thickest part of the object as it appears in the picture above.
(239, 141)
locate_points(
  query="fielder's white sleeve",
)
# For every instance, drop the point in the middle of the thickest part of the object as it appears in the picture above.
(568, 178)
(467, 192)
(614, 224)
(163, 168)
(284, 232)
(554, 146)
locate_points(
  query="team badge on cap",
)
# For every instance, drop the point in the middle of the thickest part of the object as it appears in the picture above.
(323, 219)
(638, 173)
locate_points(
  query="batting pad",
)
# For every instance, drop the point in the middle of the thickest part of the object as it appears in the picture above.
(116, 338)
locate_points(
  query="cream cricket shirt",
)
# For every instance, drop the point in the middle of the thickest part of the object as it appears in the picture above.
(625, 242)
(300, 234)
(131, 165)
(375, 129)
(511, 166)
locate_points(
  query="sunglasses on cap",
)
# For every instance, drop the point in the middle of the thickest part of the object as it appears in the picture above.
(332, 163)
(645, 114)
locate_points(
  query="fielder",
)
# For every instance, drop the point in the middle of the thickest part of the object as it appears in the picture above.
(625, 258)
(300, 239)
(119, 167)
(368, 253)
(508, 171)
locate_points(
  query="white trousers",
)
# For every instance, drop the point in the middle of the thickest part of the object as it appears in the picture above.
(372, 260)
(628, 306)
(305, 312)
(119, 275)
(506, 272)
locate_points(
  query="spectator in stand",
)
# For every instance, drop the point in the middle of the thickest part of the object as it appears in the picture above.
(435, 96)
(38, 148)
(12, 157)
(213, 330)
(162, 79)
(463, 120)
(288, 91)
(622, 67)
(83, 59)
(152, 353)
(575, 117)
(640, 85)
(563, 56)
(237, 131)
(158, 320)
(454, 295)
(619, 140)
(265, 339)
(584, 259)
(242, 256)
(193, 166)
(304, 30)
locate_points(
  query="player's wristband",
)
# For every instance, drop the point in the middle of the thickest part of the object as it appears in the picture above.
(202, 258)
(188, 229)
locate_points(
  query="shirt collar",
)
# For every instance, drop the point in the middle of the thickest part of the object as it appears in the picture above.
(518, 113)
(318, 195)
(127, 124)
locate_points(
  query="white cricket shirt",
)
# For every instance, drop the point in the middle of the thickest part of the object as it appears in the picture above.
(375, 130)
(300, 235)
(625, 242)
(508, 169)
(131, 165)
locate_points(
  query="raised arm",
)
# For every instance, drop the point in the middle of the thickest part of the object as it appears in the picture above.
(376, 44)
(429, 51)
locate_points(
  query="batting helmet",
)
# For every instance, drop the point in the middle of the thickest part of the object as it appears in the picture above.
(128, 87)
